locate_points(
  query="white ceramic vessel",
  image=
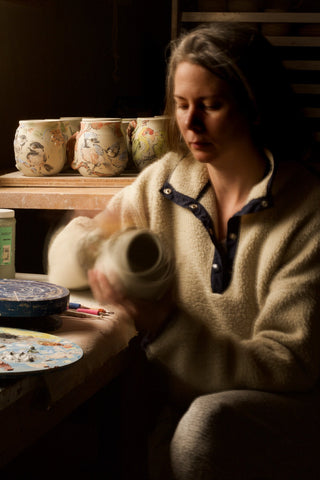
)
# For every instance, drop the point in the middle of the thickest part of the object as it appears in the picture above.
(40, 147)
(100, 148)
(126, 129)
(148, 141)
(70, 125)
(136, 262)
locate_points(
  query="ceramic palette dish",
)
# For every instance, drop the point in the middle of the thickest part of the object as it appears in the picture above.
(26, 352)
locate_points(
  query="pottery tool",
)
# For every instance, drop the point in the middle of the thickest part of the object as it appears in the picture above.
(30, 302)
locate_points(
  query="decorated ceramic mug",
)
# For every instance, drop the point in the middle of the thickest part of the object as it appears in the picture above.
(39, 147)
(148, 141)
(100, 148)
(70, 125)
(126, 129)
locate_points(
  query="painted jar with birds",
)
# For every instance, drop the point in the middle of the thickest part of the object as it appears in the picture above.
(39, 147)
(100, 148)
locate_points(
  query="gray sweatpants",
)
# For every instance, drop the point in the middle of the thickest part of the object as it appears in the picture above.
(239, 435)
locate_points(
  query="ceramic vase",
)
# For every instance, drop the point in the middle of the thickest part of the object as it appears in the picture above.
(39, 147)
(126, 127)
(70, 125)
(148, 141)
(100, 148)
(136, 262)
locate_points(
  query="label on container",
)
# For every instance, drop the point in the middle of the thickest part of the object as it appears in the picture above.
(5, 245)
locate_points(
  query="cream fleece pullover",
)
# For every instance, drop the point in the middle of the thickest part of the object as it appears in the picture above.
(261, 328)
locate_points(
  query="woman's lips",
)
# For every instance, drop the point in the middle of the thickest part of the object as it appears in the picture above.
(199, 145)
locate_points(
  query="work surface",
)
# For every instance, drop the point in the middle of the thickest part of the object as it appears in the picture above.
(30, 405)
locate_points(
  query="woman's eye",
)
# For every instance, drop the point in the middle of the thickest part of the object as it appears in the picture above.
(181, 106)
(213, 106)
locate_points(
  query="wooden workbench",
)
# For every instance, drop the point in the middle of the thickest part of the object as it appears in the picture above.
(31, 405)
(65, 191)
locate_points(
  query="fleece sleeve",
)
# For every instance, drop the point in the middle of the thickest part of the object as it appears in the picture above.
(75, 247)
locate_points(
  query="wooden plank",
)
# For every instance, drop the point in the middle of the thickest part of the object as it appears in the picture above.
(312, 112)
(309, 89)
(67, 180)
(302, 64)
(259, 17)
(174, 18)
(55, 198)
(289, 41)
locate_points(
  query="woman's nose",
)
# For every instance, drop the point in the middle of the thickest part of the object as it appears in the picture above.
(193, 120)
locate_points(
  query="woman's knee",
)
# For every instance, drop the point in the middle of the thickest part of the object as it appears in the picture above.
(242, 434)
(201, 442)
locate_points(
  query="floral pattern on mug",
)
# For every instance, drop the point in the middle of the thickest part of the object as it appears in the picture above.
(148, 141)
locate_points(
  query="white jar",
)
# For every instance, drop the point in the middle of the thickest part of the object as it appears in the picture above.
(137, 262)
(40, 147)
(148, 141)
(100, 149)
(7, 243)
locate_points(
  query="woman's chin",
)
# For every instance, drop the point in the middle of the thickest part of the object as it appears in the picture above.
(203, 157)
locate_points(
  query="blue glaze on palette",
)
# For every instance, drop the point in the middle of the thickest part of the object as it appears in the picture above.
(26, 352)
(30, 298)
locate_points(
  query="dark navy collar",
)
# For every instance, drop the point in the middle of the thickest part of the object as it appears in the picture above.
(184, 179)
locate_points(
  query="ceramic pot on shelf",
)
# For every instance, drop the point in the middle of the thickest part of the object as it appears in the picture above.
(70, 125)
(100, 148)
(40, 147)
(148, 141)
(126, 127)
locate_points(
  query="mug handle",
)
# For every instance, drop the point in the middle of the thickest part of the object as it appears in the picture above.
(70, 148)
(130, 130)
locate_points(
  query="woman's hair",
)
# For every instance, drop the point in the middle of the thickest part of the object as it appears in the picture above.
(241, 56)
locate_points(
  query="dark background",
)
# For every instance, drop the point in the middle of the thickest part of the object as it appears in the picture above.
(76, 58)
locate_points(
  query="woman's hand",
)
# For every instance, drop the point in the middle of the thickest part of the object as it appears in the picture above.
(149, 316)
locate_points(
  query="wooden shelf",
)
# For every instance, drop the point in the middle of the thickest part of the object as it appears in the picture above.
(61, 192)
(294, 41)
(66, 180)
(259, 17)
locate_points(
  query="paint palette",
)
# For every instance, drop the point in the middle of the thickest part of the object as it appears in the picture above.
(26, 351)
(30, 298)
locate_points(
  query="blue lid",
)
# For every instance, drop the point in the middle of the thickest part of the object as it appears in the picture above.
(31, 298)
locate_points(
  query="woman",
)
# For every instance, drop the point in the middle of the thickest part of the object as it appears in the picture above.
(237, 352)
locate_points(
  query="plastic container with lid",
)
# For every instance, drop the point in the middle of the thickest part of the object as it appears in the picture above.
(7, 243)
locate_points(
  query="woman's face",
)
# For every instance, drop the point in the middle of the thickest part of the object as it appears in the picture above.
(207, 115)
